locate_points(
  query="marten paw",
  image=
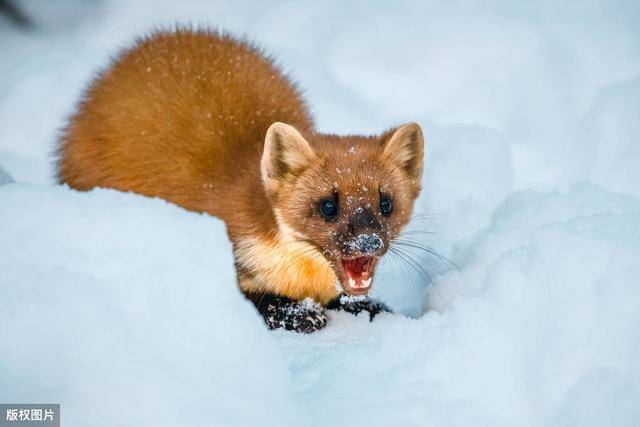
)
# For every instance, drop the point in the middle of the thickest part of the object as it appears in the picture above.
(356, 305)
(304, 316)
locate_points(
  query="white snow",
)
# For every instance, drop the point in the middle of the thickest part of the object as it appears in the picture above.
(119, 307)
(5, 178)
(124, 308)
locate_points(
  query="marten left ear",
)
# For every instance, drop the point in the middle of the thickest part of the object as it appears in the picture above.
(404, 147)
(286, 153)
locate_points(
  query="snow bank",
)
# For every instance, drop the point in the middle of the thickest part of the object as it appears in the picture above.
(539, 327)
(124, 309)
(131, 307)
(612, 129)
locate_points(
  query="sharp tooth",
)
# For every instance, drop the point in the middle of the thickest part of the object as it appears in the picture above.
(367, 282)
(352, 282)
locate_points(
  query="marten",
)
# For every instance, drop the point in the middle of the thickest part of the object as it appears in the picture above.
(210, 123)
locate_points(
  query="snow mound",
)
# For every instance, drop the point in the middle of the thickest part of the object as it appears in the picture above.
(126, 307)
(539, 327)
(612, 130)
(113, 300)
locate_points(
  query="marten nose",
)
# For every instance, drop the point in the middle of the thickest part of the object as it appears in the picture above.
(365, 232)
(369, 244)
(362, 219)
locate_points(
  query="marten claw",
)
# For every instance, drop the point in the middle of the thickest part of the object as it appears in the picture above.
(304, 316)
(356, 305)
(295, 316)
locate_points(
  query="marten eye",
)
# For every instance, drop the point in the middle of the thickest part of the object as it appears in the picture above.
(386, 207)
(328, 208)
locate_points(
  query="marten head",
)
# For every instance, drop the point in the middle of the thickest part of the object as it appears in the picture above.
(348, 197)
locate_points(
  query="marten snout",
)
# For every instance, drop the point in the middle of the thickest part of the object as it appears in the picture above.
(369, 244)
(364, 235)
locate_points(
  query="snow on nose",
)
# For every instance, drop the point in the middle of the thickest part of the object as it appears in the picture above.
(369, 243)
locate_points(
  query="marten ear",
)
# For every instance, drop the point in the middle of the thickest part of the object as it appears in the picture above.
(404, 147)
(286, 153)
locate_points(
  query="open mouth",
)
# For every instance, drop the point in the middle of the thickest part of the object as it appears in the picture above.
(358, 272)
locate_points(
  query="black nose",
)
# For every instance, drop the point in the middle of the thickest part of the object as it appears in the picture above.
(363, 219)
(369, 243)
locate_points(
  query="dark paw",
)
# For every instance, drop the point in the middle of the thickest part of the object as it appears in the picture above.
(304, 316)
(356, 305)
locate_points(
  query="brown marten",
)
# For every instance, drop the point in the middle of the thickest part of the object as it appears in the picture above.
(208, 122)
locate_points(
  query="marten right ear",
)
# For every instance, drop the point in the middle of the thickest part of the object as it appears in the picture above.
(286, 154)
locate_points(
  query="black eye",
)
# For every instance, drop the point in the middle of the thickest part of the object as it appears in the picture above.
(328, 208)
(386, 207)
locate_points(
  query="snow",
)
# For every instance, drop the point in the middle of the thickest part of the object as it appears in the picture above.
(5, 178)
(124, 306)
(109, 308)
(539, 327)
(368, 243)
